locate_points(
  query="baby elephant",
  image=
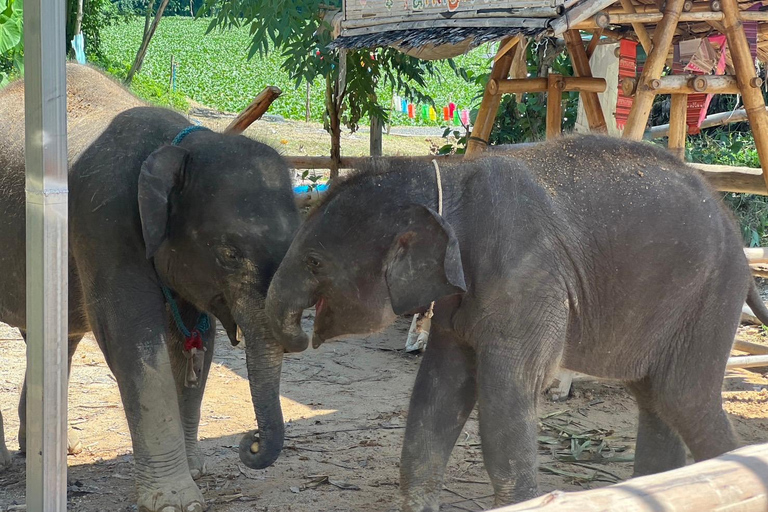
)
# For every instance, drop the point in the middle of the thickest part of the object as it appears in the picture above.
(607, 257)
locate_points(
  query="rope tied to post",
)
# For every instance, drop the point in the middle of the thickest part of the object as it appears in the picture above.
(431, 311)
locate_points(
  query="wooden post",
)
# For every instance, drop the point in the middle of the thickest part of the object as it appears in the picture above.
(639, 28)
(554, 106)
(486, 115)
(677, 125)
(580, 61)
(662, 40)
(254, 111)
(747, 79)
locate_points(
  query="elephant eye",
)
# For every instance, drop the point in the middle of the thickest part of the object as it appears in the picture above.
(228, 256)
(314, 263)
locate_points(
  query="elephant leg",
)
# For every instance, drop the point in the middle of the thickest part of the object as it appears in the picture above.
(74, 445)
(5, 455)
(190, 399)
(442, 399)
(659, 448)
(132, 330)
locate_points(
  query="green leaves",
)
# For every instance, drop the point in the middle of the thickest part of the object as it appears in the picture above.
(11, 40)
(10, 33)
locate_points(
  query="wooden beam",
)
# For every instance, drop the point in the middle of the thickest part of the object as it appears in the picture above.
(662, 41)
(254, 111)
(747, 362)
(596, 35)
(678, 127)
(604, 20)
(750, 348)
(570, 83)
(688, 84)
(733, 481)
(756, 254)
(727, 178)
(744, 66)
(639, 28)
(576, 14)
(580, 62)
(486, 115)
(723, 118)
(555, 87)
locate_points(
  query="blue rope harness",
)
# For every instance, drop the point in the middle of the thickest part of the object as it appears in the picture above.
(192, 339)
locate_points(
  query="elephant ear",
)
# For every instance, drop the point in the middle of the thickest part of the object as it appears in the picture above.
(160, 173)
(424, 262)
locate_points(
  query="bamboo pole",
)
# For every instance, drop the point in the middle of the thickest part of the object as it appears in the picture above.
(555, 88)
(733, 481)
(603, 20)
(570, 83)
(747, 362)
(678, 127)
(519, 67)
(750, 348)
(756, 254)
(723, 118)
(688, 84)
(639, 28)
(726, 178)
(596, 35)
(662, 40)
(486, 115)
(580, 62)
(745, 73)
(578, 13)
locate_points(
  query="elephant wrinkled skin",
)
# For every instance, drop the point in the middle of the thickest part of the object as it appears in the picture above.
(607, 257)
(209, 217)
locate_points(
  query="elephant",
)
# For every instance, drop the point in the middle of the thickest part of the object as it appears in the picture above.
(170, 226)
(606, 257)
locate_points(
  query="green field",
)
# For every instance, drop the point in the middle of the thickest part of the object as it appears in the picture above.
(214, 69)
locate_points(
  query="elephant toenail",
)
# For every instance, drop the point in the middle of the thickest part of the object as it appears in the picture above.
(195, 507)
(195, 474)
(169, 509)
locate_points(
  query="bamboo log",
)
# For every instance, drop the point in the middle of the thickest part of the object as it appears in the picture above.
(688, 84)
(736, 116)
(580, 62)
(254, 111)
(678, 128)
(519, 67)
(578, 13)
(486, 115)
(747, 362)
(745, 73)
(570, 83)
(727, 178)
(733, 481)
(662, 40)
(596, 35)
(756, 254)
(555, 87)
(639, 28)
(606, 20)
(750, 348)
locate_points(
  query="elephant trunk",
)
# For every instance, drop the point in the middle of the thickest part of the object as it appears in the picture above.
(284, 313)
(264, 360)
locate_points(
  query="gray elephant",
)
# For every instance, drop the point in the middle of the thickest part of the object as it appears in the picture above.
(607, 257)
(169, 226)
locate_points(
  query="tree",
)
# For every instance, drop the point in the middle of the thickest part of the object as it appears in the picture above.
(149, 32)
(300, 29)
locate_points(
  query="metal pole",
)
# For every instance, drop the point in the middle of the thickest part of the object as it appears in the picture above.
(46, 186)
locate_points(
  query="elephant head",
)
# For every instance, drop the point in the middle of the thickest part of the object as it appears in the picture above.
(363, 257)
(218, 215)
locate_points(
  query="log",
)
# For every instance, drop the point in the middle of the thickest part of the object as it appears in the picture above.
(744, 66)
(678, 128)
(662, 41)
(580, 62)
(254, 111)
(728, 178)
(750, 348)
(734, 481)
(604, 20)
(569, 83)
(756, 254)
(486, 115)
(639, 28)
(747, 362)
(555, 86)
(723, 118)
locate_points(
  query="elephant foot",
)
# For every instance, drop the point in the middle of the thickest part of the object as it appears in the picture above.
(5, 457)
(196, 465)
(74, 445)
(170, 496)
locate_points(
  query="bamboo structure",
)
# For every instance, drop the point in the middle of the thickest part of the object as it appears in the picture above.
(254, 111)
(580, 62)
(677, 126)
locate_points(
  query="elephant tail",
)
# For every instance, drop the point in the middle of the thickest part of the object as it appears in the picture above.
(756, 304)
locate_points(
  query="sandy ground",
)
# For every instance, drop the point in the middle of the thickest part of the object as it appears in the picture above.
(345, 406)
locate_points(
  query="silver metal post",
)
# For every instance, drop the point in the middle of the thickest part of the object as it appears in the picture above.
(46, 167)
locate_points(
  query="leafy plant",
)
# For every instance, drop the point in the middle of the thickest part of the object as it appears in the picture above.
(11, 40)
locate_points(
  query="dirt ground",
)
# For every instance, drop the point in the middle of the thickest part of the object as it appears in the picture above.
(345, 406)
